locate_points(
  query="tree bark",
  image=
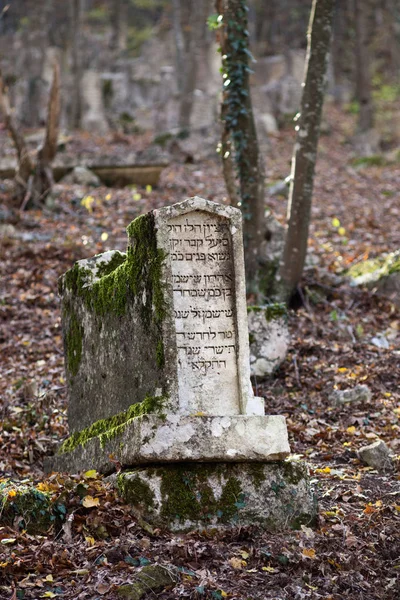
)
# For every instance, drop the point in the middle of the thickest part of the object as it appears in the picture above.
(188, 21)
(363, 78)
(119, 20)
(34, 177)
(305, 150)
(240, 134)
(76, 26)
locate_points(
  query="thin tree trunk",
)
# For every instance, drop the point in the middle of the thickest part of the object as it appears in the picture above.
(34, 177)
(119, 19)
(188, 24)
(305, 150)
(363, 78)
(238, 121)
(76, 26)
(179, 43)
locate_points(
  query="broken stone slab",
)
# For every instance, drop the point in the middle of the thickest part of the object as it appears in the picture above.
(167, 319)
(153, 438)
(269, 338)
(360, 393)
(201, 496)
(376, 455)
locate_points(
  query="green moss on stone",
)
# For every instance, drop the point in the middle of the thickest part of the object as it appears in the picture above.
(74, 343)
(134, 277)
(257, 473)
(25, 506)
(134, 490)
(104, 268)
(107, 429)
(274, 311)
(160, 358)
(376, 268)
(187, 495)
(151, 578)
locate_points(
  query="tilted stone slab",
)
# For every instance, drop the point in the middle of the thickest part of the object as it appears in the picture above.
(194, 496)
(174, 438)
(168, 318)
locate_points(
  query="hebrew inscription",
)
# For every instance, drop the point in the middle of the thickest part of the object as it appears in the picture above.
(203, 281)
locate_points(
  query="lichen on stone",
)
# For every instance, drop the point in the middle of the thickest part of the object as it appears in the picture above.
(107, 429)
(371, 270)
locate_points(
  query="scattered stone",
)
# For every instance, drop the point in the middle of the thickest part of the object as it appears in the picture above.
(152, 578)
(269, 338)
(381, 274)
(81, 176)
(360, 393)
(199, 496)
(376, 455)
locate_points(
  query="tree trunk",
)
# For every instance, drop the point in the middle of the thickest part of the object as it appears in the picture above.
(188, 24)
(119, 30)
(34, 177)
(240, 133)
(76, 25)
(305, 150)
(363, 78)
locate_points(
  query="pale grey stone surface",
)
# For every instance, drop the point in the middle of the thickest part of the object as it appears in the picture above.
(175, 438)
(212, 495)
(81, 176)
(376, 455)
(360, 393)
(269, 341)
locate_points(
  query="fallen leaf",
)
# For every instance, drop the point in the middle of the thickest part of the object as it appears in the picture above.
(89, 502)
(308, 552)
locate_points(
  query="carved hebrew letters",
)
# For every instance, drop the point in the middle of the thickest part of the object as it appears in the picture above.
(203, 286)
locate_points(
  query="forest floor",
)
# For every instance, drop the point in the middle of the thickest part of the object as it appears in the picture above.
(355, 550)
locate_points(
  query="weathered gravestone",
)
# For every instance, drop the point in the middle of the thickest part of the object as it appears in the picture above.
(157, 361)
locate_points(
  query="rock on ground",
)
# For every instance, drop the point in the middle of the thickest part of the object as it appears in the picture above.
(81, 176)
(152, 578)
(269, 338)
(376, 455)
(360, 393)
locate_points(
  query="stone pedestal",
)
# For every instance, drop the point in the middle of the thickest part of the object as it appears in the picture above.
(198, 496)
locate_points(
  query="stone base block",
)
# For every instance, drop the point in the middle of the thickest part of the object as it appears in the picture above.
(195, 496)
(174, 438)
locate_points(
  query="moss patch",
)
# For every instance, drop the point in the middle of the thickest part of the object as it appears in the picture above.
(186, 493)
(134, 278)
(272, 312)
(373, 269)
(151, 578)
(106, 267)
(107, 429)
(73, 343)
(186, 496)
(28, 508)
